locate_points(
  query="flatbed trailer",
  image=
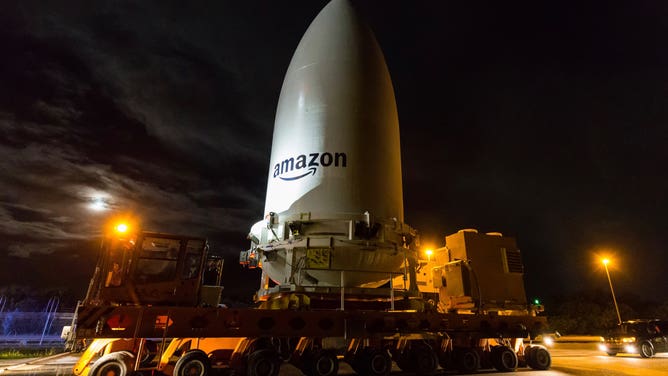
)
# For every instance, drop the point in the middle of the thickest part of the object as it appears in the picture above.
(256, 341)
(151, 309)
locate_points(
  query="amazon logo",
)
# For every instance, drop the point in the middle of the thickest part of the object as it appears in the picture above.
(307, 164)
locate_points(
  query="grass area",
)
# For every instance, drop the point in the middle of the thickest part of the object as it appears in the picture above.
(27, 353)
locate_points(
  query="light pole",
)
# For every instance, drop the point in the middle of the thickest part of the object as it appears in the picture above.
(605, 264)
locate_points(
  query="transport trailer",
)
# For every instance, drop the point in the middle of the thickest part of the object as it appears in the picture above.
(161, 313)
(153, 306)
(255, 342)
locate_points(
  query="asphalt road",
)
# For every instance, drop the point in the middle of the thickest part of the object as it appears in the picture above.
(567, 359)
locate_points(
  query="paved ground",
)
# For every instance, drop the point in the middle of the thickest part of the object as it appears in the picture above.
(573, 358)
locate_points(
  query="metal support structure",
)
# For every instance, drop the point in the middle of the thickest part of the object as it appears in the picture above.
(391, 293)
(343, 294)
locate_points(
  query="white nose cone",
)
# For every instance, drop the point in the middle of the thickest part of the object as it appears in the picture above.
(336, 146)
(334, 195)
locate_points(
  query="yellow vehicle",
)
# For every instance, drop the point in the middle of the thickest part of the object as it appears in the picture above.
(158, 315)
(142, 269)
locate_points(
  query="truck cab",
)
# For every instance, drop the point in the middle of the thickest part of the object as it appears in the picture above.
(151, 268)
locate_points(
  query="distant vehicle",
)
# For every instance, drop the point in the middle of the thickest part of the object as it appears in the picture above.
(644, 337)
(547, 339)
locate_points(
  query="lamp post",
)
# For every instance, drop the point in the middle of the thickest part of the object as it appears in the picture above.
(605, 264)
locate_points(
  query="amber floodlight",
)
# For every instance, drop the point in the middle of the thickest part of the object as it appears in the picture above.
(121, 228)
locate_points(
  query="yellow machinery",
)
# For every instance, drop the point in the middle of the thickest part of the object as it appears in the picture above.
(159, 316)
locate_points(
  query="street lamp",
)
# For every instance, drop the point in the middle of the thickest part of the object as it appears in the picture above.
(605, 264)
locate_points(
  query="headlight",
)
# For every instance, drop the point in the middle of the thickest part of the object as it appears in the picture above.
(628, 339)
(548, 341)
(631, 349)
(602, 347)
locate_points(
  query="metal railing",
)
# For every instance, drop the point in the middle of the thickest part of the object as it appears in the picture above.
(28, 341)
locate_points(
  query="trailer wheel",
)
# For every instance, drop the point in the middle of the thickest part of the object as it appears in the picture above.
(321, 363)
(372, 362)
(192, 363)
(114, 364)
(504, 358)
(646, 350)
(264, 362)
(527, 355)
(539, 358)
(467, 360)
(420, 358)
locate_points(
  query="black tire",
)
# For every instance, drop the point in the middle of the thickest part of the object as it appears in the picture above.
(115, 364)
(504, 358)
(646, 350)
(372, 362)
(527, 353)
(467, 360)
(539, 358)
(611, 353)
(424, 360)
(321, 363)
(418, 358)
(264, 362)
(193, 363)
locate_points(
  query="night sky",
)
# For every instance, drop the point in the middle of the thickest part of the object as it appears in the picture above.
(545, 121)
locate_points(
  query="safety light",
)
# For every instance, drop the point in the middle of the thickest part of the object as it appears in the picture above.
(537, 306)
(122, 227)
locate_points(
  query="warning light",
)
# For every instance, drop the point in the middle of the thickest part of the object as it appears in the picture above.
(121, 228)
(537, 306)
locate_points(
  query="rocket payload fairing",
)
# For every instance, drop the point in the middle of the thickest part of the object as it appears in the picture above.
(336, 136)
(334, 205)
